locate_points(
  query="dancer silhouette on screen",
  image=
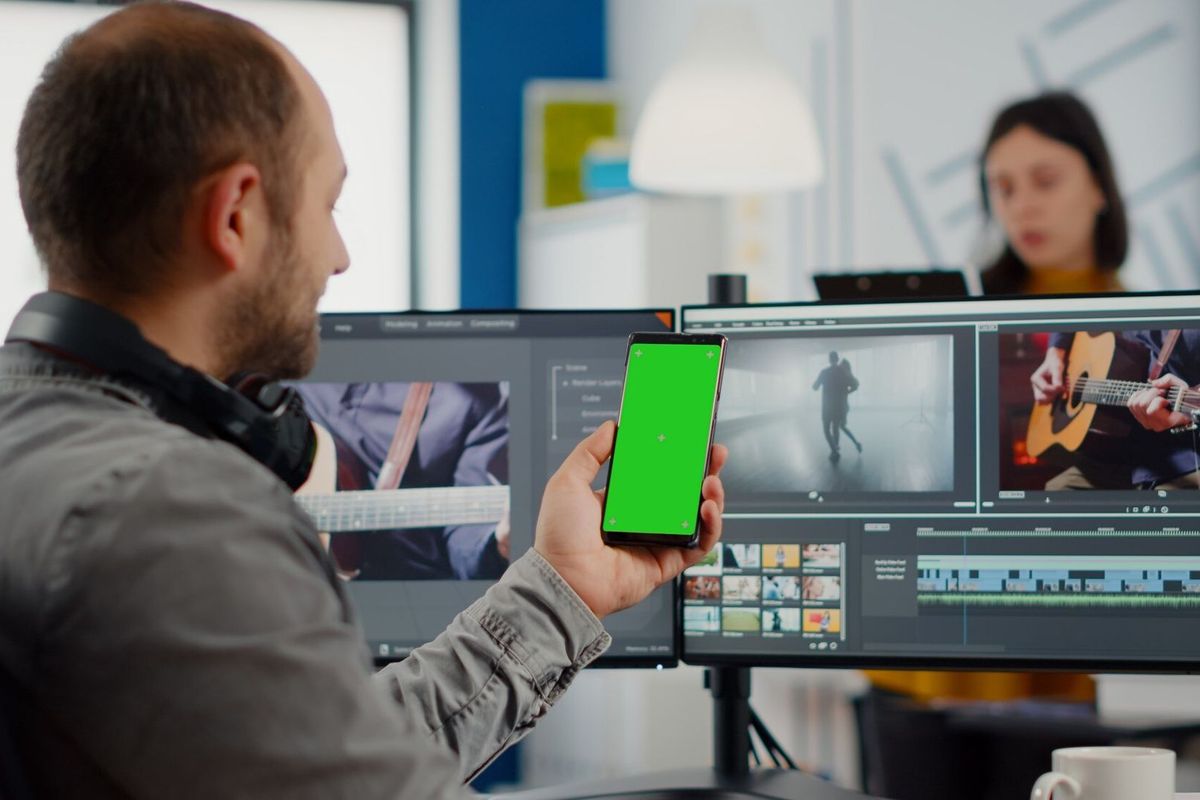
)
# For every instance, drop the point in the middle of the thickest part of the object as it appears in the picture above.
(836, 383)
(851, 384)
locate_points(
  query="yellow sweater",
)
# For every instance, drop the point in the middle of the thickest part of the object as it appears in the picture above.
(987, 686)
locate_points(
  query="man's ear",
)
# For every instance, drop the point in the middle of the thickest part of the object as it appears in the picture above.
(234, 209)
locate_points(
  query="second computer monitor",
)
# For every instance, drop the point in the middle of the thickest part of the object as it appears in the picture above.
(922, 484)
(440, 430)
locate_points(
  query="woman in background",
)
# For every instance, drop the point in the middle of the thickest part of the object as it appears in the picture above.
(1048, 180)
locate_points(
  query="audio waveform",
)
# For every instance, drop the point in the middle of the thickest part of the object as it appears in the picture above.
(1052, 534)
(1083, 600)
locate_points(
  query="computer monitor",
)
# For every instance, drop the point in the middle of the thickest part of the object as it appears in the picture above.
(441, 422)
(896, 498)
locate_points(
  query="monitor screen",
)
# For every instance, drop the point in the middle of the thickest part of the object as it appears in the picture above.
(443, 428)
(898, 496)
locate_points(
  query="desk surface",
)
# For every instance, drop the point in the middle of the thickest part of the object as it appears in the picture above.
(703, 785)
(695, 784)
(1072, 720)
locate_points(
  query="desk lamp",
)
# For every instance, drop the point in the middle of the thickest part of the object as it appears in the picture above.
(726, 120)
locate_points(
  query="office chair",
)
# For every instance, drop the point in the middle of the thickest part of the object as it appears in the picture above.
(13, 785)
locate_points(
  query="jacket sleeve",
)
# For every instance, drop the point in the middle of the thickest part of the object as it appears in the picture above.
(196, 646)
(1061, 340)
(484, 682)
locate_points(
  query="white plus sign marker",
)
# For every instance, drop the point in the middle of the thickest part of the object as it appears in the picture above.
(683, 524)
(637, 353)
(662, 437)
(612, 520)
(710, 354)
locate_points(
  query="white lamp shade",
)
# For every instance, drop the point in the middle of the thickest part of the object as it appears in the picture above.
(725, 118)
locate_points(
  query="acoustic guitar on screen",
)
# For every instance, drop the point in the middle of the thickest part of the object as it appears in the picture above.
(1102, 371)
(391, 509)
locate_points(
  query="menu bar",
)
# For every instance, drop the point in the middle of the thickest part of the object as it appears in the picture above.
(515, 324)
(1007, 311)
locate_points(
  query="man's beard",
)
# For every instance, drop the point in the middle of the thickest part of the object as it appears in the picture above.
(269, 330)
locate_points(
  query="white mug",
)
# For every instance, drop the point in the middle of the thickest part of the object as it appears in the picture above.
(1108, 773)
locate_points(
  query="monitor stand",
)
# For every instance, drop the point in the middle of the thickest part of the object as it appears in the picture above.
(730, 778)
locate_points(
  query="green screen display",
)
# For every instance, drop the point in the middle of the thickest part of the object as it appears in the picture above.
(662, 438)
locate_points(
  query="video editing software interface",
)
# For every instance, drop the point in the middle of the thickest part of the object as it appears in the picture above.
(898, 495)
(437, 433)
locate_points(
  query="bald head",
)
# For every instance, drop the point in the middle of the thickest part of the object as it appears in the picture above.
(130, 117)
(157, 19)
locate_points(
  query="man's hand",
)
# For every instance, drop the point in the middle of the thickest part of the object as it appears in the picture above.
(1152, 409)
(608, 578)
(1047, 380)
(504, 536)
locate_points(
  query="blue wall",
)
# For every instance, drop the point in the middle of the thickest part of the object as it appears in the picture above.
(502, 44)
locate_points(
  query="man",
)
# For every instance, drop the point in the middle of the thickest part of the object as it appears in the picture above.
(170, 625)
(1153, 456)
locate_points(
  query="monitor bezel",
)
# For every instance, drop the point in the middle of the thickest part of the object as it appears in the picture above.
(605, 661)
(912, 663)
(941, 274)
(908, 301)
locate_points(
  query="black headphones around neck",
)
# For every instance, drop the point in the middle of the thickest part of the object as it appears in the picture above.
(264, 419)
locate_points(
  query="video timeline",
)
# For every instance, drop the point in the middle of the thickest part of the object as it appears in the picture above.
(1059, 581)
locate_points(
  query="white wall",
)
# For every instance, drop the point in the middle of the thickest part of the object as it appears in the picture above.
(29, 35)
(368, 94)
(358, 54)
(438, 211)
(904, 92)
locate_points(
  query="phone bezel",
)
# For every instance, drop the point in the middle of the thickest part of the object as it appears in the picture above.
(667, 539)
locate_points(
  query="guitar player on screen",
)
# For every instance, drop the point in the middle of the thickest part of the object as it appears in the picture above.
(1150, 373)
(412, 436)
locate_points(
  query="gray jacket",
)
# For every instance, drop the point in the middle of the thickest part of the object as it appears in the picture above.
(170, 625)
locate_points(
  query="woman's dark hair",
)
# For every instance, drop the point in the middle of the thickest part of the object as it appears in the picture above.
(1065, 118)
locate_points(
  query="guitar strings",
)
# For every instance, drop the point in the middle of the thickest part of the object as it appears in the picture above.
(1106, 383)
(1113, 389)
(370, 509)
(1083, 381)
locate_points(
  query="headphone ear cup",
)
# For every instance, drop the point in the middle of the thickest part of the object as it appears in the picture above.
(256, 388)
(283, 438)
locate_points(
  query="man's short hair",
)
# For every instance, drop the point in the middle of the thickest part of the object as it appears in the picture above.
(128, 117)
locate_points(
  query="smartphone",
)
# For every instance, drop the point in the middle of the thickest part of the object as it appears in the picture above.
(664, 439)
